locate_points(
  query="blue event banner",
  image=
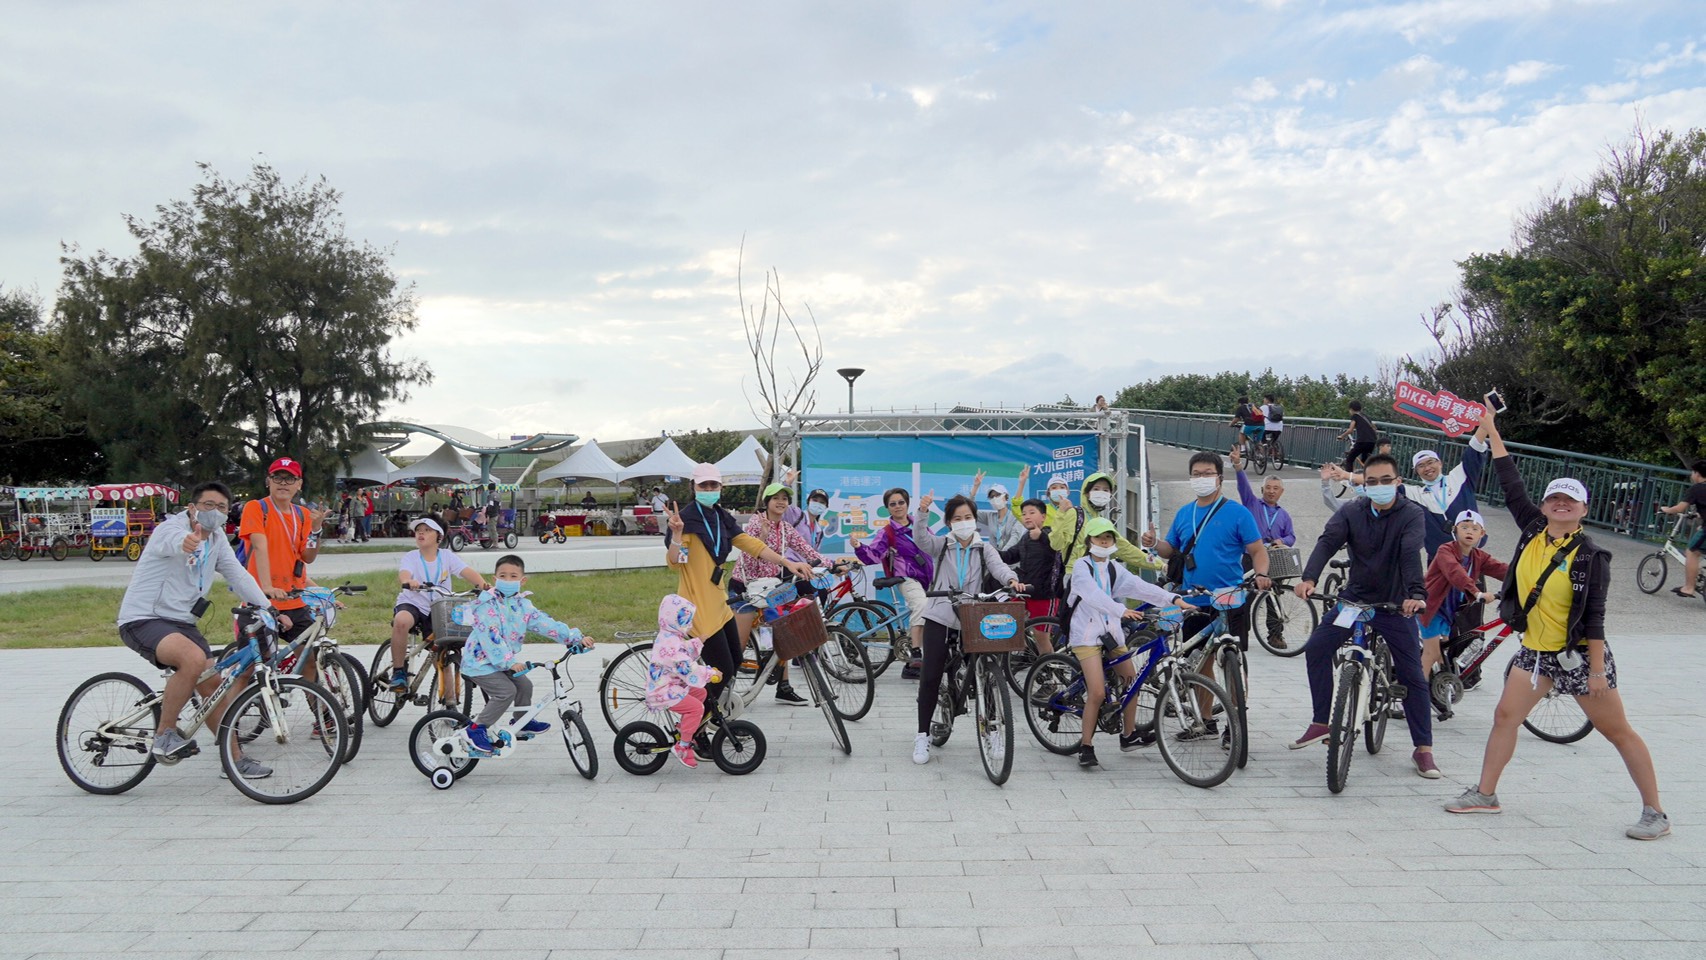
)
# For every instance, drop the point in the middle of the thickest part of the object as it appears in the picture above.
(855, 472)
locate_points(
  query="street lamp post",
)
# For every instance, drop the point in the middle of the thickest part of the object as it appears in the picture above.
(850, 374)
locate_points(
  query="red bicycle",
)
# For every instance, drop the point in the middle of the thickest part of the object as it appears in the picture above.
(1556, 719)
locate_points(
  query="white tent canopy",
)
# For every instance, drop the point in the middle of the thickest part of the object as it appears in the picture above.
(742, 464)
(666, 461)
(369, 466)
(588, 463)
(443, 465)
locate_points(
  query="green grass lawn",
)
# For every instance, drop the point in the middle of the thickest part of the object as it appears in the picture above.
(598, 603)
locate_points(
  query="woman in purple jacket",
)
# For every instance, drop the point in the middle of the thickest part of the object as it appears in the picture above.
(899, 555)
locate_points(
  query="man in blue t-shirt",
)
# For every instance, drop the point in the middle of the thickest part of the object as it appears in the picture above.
(1224, 533)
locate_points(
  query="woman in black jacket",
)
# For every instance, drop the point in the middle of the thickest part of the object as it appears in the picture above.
(1562, 616)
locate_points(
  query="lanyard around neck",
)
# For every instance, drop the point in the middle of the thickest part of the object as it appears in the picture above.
(716, 536)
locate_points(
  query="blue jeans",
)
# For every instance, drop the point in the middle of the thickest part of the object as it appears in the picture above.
(1406, 646)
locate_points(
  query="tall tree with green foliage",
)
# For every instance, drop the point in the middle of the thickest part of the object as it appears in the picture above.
(1304, 396)
(39, 444)
(247, 326)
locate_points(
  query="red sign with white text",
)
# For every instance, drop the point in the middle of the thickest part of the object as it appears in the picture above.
(1444, 410)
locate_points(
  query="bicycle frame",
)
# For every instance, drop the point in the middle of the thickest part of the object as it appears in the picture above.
(561, 686)
(230, 667)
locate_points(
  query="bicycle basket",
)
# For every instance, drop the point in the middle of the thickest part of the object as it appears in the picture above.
(1284, 563)
(770, 592)
(991, 627)
(1229, 599)
(800, 632)
(444, 629)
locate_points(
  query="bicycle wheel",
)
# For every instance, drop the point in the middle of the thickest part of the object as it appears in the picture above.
(994, 715)
(446, 688)
(1053, 701)
(622, 688)
(872, 624)
(738, 748)
(1259, 458)
(383, 704)
(96, 553)
(578, 740)
(1020, 662)
(545, 537)
(1557, 718)
(342, 678)
(943, 726)
(59, 549)
(1278, 456)
(820, 691)
(1650, 575)
(642, 748)
(1278, 619)
(8, 549)
(111, 761)
(1198, 760)
(1380, 699)
(1231, 665)
(847, 675)
(302, 746)
(429, 755)
(1341, 734)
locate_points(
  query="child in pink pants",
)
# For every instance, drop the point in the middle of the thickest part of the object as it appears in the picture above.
(678, 677)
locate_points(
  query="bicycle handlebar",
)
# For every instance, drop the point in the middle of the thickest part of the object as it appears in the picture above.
(996, 596)
(1335, 598)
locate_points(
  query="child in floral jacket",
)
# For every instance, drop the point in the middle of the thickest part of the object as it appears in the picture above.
(678, 677)
(501, 620)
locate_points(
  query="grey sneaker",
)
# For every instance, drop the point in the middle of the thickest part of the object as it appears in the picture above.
(1474, 801)
(1653, 825)
(170, 747)
(250, 769)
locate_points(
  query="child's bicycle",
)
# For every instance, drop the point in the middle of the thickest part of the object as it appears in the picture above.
(107, 726)
(1363, 688)
(1557, 718)
(1654, 569)
(441, 751)
(434, 661)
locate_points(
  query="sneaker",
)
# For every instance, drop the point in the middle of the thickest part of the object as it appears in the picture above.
(479, 743)
(170, 747)
(1087, 756)
(1425, 765)
(399, 679)
(1474, 801)
(1198, 731)
(1135, 740)
(1315, 733)
(1277, 642)
(912, 669)
(1396, 711)
(921, 748)
(250, 769)
(684, 753)
(785, 694)
(995, 743)
(531, 729)
(1653, 825)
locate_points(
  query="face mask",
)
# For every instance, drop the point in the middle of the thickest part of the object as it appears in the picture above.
(507, 588)
(816, 509)
(210, 520)
(1381, 495)
(998, 504)
(1100, 498)
(1204, 486)
(1057, 494)
(963, 528)
(707, 498)
(1102, 553)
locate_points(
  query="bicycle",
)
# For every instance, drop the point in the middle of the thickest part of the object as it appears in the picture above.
(1268, 452)
(846, 665)
(990, 627)
(340, 674)
(1276, 613)
(882, 627)
(1557, 718)
(1363, 688)
(1654, 568)
(107, 724)
(1216, 642)
(441, 751)
(1178, 701)
(436, 652)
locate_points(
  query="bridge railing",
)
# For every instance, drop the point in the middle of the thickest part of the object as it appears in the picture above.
(1622, 494)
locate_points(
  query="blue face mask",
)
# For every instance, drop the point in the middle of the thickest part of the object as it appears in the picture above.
(708, 498)
(507, 588)
(1381, 495)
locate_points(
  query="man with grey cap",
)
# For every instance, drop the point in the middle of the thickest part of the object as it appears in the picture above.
(427, 564)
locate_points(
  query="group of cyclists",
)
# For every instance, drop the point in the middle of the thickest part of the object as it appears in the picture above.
(1063, 558)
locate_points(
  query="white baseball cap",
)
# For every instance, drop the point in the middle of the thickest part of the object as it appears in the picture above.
(1422, 455)
(427, 521)
(1058, 480)
(998, 491)
(1569, 488)
(1469, 516)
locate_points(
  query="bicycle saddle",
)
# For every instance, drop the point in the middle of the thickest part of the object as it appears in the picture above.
(1338, 564)
(883, 583)
(449, 643)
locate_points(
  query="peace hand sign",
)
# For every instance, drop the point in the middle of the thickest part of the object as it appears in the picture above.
(977, 483)
(675, 524)
(1024, 474)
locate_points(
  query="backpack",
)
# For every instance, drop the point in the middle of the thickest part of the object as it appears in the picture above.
(1252, 414)
(1276, 413)
(242, 548)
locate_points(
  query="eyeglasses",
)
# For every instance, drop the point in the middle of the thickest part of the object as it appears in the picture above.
(1379, 481)
(896, 503)
(210, 505)
(285, 478)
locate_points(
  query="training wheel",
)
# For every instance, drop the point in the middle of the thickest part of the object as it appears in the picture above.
(442, 778)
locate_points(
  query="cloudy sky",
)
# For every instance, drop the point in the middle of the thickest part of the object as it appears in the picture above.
(978, 201)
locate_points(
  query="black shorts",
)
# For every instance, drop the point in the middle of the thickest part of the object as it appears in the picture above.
(423, 619)
(1544, 663)
(145, 636)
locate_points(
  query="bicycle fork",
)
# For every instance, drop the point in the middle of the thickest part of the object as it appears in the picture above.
(1358, 656)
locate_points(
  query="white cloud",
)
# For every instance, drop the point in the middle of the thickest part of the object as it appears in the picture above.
(1527, 72)
(1257, 90)
(1425, 19)
(1690, 55)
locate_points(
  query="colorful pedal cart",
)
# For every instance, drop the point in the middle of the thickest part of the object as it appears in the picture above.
(123, 516)
(50, 520)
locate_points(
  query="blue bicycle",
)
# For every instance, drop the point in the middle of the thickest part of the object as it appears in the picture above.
(1180, 702)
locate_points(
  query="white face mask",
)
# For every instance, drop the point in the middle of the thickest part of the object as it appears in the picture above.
(1100, 498)
(998, 504)
(1102, 553)
(1057, 494)
(1204, 486)
(964, 529)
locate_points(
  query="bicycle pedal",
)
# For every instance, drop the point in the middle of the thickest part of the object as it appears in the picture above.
(525, 736)
(1397, 691)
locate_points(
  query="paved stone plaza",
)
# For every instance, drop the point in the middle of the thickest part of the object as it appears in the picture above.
(869, 856)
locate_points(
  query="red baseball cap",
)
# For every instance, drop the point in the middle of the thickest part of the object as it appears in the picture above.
(285, 465)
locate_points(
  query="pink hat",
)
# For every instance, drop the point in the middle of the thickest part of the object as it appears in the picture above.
(706, 473)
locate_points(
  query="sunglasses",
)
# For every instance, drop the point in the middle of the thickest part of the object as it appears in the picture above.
(1379, 481)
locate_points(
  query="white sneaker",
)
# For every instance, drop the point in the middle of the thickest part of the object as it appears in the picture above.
(921, 749)
(994, 738)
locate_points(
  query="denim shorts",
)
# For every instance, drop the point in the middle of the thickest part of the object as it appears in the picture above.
(1572, 682)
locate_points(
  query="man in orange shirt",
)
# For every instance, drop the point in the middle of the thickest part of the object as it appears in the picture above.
(282, 538)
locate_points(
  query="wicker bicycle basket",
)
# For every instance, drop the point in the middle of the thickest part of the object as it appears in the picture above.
(444, 629)
(800, 632)
(991, 627)
(1284, 563)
